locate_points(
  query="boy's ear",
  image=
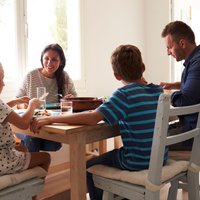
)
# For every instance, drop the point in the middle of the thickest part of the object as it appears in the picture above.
(143, 67)
(117, 76)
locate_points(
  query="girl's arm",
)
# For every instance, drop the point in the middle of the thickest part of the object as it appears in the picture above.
(23, 121)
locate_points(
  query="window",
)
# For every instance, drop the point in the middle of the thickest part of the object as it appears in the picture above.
(27, 26)
(187, 11)
(8, 56)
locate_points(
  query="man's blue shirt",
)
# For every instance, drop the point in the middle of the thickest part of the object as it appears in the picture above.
(189, 93)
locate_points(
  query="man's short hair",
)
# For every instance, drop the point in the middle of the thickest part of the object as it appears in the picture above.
(179, 30)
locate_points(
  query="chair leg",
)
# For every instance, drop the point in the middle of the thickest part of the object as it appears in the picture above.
(107, 196)
(110, 196)
(172, 193)
(152, 195)
(193, 186)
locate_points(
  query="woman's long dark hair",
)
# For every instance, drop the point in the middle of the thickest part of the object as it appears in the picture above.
(59, 74)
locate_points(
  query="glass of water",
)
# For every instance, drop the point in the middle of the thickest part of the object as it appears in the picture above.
(40, 92)
(66, 107)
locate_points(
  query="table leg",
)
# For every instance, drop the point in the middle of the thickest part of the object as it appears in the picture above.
(102, 146)
(77, 168)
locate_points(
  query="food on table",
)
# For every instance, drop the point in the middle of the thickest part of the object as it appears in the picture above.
(42, 113)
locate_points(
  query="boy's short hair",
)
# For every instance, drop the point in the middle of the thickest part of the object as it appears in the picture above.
(179, 30)
(127, 61)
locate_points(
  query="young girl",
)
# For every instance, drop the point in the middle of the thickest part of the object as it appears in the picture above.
(12, 160)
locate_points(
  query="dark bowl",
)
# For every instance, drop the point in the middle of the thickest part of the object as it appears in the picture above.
(85, 103)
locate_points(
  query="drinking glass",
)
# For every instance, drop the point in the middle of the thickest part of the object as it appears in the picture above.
(40, 92)
(66, 107)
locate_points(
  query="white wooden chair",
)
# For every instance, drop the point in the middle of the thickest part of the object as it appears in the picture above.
(23, 185)
(146, 184)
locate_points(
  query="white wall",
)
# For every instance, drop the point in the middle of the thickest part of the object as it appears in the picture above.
(157, 15)
(109, 23)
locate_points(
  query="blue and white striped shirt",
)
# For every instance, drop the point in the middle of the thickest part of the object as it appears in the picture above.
(133, 107)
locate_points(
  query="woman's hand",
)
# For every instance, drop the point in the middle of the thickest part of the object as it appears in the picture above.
(22, 102)
(19, 102)
(23, 99)
(68, 96)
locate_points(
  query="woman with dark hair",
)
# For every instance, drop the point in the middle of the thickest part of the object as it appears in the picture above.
(57, 82)
(51, 75)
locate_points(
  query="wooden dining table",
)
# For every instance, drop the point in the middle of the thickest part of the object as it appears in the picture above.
(76, 136)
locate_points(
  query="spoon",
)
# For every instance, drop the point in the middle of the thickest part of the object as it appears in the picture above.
(60, 96)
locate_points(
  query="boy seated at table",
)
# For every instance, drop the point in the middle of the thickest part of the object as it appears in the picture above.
(132, 106)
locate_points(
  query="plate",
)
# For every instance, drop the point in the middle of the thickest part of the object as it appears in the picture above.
(39, 113)
(55, 105)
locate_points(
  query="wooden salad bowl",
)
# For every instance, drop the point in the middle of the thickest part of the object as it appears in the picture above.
(85, 103)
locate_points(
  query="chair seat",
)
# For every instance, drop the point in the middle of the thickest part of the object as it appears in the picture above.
(23, 185)
(170, 170)
(13, 179)
(23, 191)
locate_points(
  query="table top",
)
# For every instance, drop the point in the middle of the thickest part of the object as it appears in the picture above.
(62, 132)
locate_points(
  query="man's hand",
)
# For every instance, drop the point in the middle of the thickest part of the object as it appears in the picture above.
(171, 86)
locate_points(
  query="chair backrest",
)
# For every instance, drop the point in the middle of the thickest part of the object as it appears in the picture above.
(161, 139)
